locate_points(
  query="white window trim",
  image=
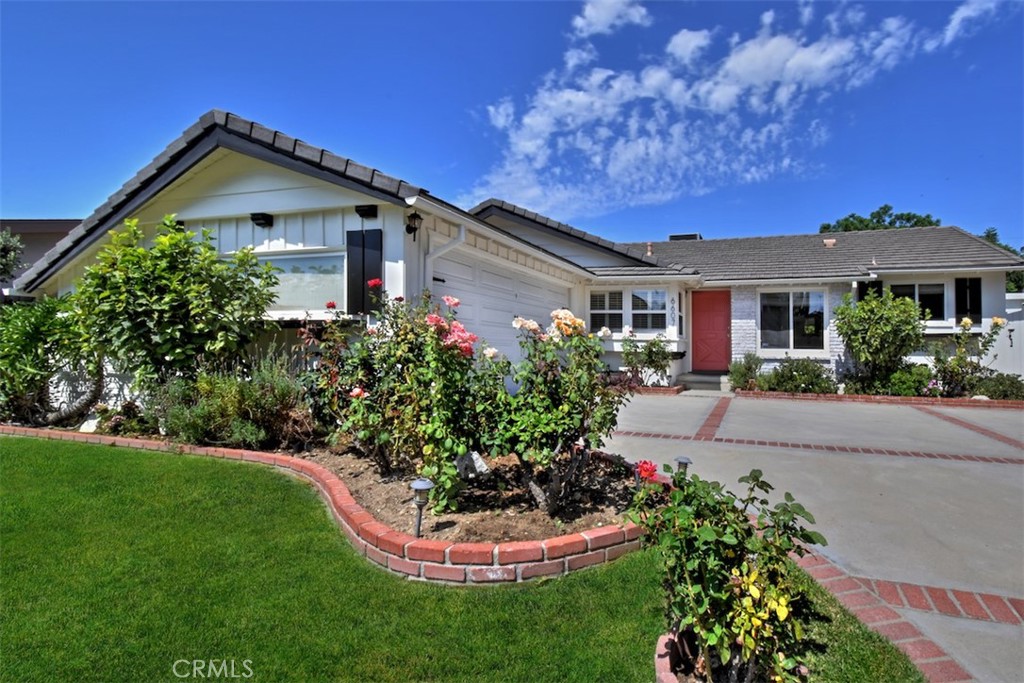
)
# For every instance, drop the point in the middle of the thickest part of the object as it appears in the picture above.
(824, 353)
(627, 311)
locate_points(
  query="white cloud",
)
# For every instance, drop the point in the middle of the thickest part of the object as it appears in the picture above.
(579, 56)
(686, 45)
(970, 12)
(806, 11)
(602, 17)
(592, 139)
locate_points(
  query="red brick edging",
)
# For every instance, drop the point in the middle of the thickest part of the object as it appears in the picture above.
(934, 662)
(899, 400)
(401, 553)
(949, 602)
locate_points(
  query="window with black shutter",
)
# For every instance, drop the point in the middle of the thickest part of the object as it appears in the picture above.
(968, 298)
(364, 262)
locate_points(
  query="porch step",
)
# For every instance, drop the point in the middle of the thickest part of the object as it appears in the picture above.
(701, 382)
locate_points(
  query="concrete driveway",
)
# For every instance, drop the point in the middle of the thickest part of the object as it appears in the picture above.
(923, 505)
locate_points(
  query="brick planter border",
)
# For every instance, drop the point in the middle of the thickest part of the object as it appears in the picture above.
(661, 391)
(401, 553)
(890, 400)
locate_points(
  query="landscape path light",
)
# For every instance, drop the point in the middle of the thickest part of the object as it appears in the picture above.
(682, 464)
(421, 494)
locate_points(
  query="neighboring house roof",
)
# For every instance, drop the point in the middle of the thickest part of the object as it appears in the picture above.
(26, 226)
(215, 129)
(854, 254)
(636, 253)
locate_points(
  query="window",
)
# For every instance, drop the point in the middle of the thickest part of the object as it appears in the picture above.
(931, 299)
(793, 320)
(308, 281)
(968, 298)
(866, 286)
(606, 311)
(649, 307)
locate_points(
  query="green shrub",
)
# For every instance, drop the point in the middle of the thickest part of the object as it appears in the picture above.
(36, 342)
(648, 361)
(911, 380)
(728, 580)
(798, 376)
(959, 363)
(257, 407)
(129, 419)
(743, 373)
(1002, 386)
(879, 332)
(158, 311)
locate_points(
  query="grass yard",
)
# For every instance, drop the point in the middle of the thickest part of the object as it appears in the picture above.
(115, 564)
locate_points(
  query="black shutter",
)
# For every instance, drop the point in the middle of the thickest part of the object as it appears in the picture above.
(364, 261)
(968, 298)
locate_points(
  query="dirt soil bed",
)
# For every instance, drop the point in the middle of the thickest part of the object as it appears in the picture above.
(493, 511)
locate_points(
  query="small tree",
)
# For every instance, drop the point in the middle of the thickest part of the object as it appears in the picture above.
(879, 332)
(158, 311)
(648, 362)
(10, 254)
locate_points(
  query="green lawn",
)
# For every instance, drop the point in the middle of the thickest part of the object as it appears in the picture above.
(115, 564)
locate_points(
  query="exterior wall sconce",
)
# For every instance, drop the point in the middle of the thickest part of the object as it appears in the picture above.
(421, 493)
(413, 222)
(262, 220)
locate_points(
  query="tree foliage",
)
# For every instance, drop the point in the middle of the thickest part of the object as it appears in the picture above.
(37, 341)
(11, 248)
(879, 332)
(1014, 280)
(883, 218)
(159, 311)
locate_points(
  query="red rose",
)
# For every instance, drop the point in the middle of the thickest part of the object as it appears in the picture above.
(647, 470)
(331, 305)
(375, 282)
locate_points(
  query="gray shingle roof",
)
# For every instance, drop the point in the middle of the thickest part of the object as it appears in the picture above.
(636, 252)
(853, 255)
(318, 158)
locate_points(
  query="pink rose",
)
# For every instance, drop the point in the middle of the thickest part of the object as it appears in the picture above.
(450, 301)
(375, 282)
(358, 392)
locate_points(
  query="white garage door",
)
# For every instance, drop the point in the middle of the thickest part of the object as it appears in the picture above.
(492, 295)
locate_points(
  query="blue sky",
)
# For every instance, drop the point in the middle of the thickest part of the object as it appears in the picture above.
(629, 119)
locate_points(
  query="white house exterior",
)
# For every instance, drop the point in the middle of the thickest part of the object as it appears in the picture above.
(331, 224)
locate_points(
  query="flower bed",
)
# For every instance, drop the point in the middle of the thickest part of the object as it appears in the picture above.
(423, 559)
(867, 398)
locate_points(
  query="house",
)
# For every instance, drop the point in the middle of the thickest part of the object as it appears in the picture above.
(332, 224)
(38, 236)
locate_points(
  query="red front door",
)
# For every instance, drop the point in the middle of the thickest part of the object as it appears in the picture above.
(712, 344)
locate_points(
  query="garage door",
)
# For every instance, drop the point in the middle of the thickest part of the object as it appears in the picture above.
(492, 295)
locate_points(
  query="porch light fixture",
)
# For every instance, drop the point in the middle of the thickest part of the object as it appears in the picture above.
(682, 464)
(413, 222)
(262, 220)
(421, 493)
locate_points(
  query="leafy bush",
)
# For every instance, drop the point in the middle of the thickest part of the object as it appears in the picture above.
(911, 380)
(158, 311)
(798, 376)
(958, 363)
(566, 404)
(128, 419)
(1002, 386)
(401, 388)
(36, 342)
(260, 406)
(414, 394)
(728, 580)
(880, 332)
(743, 373)
(648, 361)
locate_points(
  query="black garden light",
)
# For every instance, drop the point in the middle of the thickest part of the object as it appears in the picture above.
(682, 463)
(421, 493)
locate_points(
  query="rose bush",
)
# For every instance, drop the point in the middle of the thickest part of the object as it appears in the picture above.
(401, 391)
